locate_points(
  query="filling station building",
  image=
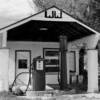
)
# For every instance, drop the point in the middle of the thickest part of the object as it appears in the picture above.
(38, 35)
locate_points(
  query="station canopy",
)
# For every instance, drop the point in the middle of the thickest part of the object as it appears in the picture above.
(47, 26)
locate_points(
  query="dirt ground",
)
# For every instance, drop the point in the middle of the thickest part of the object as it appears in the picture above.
(60, 96)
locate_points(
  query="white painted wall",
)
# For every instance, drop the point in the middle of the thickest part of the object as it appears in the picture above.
(90, 41)
(36, 50)
(92, 63)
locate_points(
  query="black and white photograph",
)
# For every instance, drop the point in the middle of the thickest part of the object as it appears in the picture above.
(49, 49)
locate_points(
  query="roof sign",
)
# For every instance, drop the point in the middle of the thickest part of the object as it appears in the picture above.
(53, 13)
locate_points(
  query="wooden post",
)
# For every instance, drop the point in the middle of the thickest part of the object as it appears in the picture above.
(3, 39)
(77, 61)
(4, 62)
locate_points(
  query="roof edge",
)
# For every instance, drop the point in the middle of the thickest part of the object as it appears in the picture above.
(76, 20)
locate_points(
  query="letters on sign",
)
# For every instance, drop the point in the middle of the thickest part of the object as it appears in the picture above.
(53, 14)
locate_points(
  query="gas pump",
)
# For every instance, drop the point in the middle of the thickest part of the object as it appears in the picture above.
(38, 74)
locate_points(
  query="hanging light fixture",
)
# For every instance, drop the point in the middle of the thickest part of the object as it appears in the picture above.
(43, 29)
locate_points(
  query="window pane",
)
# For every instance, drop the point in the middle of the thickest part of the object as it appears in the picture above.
(22, 63)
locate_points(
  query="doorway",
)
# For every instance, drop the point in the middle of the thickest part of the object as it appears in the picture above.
(23, 62)
(83, 66)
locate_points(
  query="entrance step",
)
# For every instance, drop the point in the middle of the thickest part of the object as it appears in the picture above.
(49, 93)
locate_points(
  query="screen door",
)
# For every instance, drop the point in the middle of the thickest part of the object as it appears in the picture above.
(23, 60)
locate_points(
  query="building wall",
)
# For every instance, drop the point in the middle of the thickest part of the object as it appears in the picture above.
(36, 50)
(90, 42)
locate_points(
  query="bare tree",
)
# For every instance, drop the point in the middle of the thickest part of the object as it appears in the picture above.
(85, 10)
(95, 14)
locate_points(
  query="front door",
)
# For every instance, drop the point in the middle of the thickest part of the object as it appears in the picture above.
(23, 59)
(71, 65)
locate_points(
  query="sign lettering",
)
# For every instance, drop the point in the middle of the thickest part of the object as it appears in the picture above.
(53, 14)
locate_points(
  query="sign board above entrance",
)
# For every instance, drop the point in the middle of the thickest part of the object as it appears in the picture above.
(53, 13)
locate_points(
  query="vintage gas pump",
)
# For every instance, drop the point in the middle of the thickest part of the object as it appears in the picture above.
(38, 74)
